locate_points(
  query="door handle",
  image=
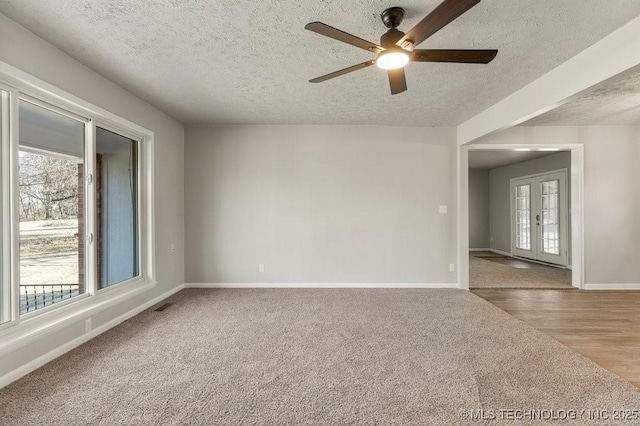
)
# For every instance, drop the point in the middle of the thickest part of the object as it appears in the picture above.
(538, 217)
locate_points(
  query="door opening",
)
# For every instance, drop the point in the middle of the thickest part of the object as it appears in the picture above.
(558, 244)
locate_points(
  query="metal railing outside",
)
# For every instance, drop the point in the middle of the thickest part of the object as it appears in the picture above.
(37, 296)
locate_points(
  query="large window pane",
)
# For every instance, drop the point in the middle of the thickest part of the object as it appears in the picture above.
(50, 187)
(5, 284)
(117, 207)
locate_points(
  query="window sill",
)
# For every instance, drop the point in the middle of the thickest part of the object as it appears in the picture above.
(28, 330)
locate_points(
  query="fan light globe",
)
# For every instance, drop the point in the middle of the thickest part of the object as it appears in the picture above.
(392, 59)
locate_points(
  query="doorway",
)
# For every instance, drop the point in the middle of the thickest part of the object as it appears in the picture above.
(574, 211)
(539, 212)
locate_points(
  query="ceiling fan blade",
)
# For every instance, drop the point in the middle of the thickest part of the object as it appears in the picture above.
(454, 55)
(442, 15)
(397, 81)
(343, 72)
(336, 34)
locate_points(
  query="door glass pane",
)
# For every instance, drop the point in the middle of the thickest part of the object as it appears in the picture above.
(523, 217)
(550, 217)
(50, 188)
(117, 207)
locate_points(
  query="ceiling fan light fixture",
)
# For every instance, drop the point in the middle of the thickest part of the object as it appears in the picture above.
(397, 48)
(392, 59)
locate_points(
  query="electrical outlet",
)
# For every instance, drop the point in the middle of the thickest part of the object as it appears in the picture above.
(87, 325)
(491, 239)
(261, 267)
(452, 267)
(443, 209)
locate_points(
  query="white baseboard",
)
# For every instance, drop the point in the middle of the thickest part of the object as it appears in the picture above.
(612, 286)
(539, 262)
(61, 350)
(503, 253)
(322, 285)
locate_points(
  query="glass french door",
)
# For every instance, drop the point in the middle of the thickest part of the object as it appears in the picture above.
(539, 211)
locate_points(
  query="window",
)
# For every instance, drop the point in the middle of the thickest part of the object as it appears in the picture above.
(50, 207)
(5, 259)
(117, 207)
(523, 217)
(76, 213)
(549, 193)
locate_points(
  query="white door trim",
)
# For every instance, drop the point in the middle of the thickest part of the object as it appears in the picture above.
(576, 211)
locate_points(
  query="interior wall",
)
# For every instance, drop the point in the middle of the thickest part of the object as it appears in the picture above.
(479, 211)
(319, 204)
(611, 196)
(22, 49)
(500, 193)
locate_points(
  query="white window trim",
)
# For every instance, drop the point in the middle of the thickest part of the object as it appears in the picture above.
(26, 328)
(5, 202)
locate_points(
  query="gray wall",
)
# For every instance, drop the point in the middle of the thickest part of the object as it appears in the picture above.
(22, 49)
(479, 208)
(500, 192)
(611, 195)
(319, 204)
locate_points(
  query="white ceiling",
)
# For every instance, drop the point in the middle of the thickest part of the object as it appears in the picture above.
(492, 159)
(247, 61)
(617, 102)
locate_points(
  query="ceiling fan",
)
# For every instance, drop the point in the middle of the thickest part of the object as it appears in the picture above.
(396, 48)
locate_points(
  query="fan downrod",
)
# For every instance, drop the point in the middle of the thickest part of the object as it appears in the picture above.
(392, 17)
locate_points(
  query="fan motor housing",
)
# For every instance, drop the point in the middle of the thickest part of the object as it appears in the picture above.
(390, 38)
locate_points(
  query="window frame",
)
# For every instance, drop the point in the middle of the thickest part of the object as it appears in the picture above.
(16, 279)
(20, 329)
(7, 126)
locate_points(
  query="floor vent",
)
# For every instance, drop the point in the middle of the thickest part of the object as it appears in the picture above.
(163, 307)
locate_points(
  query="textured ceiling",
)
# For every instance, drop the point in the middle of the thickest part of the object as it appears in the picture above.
(616, 102)
(491, 159)
(247, 61)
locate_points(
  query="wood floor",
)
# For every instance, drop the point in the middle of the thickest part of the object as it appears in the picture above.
(604, 326)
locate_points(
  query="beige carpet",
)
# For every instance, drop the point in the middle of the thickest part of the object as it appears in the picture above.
(485, 273)
(319, 357)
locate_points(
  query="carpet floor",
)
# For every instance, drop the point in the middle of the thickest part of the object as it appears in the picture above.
(491, 272)
(314, 356)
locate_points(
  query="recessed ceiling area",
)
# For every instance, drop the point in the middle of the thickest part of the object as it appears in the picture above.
(615, 102)
(250, 62)
(486, 159)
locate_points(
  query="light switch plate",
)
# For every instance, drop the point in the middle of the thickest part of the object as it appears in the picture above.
(443, 209)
